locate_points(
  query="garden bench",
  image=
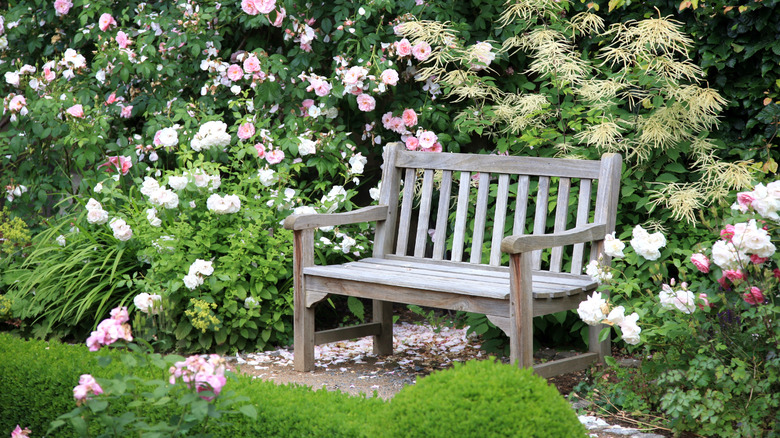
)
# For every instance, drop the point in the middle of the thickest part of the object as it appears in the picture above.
(529, 267)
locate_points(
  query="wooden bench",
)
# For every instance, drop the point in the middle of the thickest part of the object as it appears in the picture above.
(530, 266)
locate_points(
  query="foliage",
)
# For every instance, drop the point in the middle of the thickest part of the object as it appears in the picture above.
(502, 399)
(14, 239)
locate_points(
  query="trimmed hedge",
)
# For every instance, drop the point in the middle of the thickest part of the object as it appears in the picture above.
(478, 399)
(483, 398)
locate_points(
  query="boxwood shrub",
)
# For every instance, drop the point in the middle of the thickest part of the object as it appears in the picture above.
(482, 398)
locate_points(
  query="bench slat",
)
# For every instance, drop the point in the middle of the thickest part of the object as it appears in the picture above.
(521, 205)
(561, 217)
(406, 212)
(540, 216)
(459, 233)
(499, 219)
(424, 215)
(480, 218)
(534, 166)
(388, 195)
(442, 216)
(583, 211)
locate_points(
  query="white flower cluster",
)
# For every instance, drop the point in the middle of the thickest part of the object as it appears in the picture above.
(13, 192)
(335, 196)
(595, 310)
(306, 146)
(121, 230)
(375, 191)
(95, 212)
(647, 245)
(682, 299)
(223, 204)
(151, 216)
(764, 200)
(198, 269)
(613, 247)
(211, 134)
(148, 303)
(357, 163)
(597, 271)
(159, 195)
(746, 239)
(286, 201)
(196, 176)
(267, 176)
(346, 244)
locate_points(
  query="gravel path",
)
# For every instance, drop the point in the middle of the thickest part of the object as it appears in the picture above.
(419, 349)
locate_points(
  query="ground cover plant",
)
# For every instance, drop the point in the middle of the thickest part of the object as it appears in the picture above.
(152, 150)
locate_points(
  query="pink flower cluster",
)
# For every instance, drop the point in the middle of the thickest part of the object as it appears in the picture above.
(421, 51)
(318, 84)
(425, 141)
(87, 385)
(20, 433)
(122, 164)
(111, 330)
(205, 373)
(399, 125)
(254, 7)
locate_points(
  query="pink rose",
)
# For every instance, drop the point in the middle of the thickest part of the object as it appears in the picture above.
(421, 51)
(234, 72)
(724, 282)
(126, 112)
(265, 6)
(48, 74)
(248, 6)
(106, 21)
(758, 260)
(307, 103)
(61, 7)
(274, 157)
(396, 124)
(412, 143)
(20, 433)
(727, 232)
(403, 47)
(745, 199)
(111, 99)
(251, 64)
(365, 102)
(754, 296)
(435, 148)
(76, 111)
(120, 314)
(386, 117)
(322, 88)
(389, 77)
(732, 274)
(701, 262)
(120, 163)
(246, 130)
(409, 117)
(280, 14)
(122, 40)
(427, 139)
(705, 302)
(260, 148)
(17, 103)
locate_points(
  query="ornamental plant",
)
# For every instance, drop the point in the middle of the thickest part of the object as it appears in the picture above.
(188, 394)
(710, 341)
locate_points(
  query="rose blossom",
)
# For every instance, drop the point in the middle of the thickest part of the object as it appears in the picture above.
(234, 72)
(754, 296)
(412, 143)
(389, 77)
(409, 117)
(260, 148)
(613, 247)
(421, 51)
(20, 433)
(365, 102)
(591, 311)
(126, 112)
(122, 40)
(105, 21)
(705, 302)
(148, 303)
(427, 139)
(275, 156)
(61, 7)
(251, 64)
(246, 130)
(76, 111)
(701, 262)
(17, 104)
(403, 47)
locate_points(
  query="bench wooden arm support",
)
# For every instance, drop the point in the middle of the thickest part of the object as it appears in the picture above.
(532, 242)
(307, 221)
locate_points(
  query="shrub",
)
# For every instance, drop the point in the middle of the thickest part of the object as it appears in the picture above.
(485, 398)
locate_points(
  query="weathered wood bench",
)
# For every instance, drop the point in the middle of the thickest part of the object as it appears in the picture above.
(451, 274)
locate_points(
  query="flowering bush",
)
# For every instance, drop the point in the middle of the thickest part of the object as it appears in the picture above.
(203, 379)
(711, 343)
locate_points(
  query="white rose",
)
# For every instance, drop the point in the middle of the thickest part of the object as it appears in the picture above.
(374, 192)
(347, 243)
(250, 303)
(202, 267)
(121, 230)
(306, 147)
(726, 256)
(597, 272)
(630, 329)
(98, 187)
(168, 137)
(617, 315)
(149, 186)
(61, 240)
(681, 300)
(233, 203)
(178, 182)
(97, 216)
(192, 281)
(304, 209)
(12, 78)
(151, 216)
(147, 303)
(591, 311)
(267, 176)
(613, 247)
(92, 204)
(358, 162)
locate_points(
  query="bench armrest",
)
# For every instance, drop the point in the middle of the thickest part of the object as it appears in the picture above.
(531, 242)
(365, 214)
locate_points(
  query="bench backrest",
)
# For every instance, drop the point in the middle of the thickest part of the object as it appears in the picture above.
(473, 201)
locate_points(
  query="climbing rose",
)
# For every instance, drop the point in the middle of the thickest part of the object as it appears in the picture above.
(365, 102)
(754, 296)
(701, 262)
(403, 47)
(61, 7)
(122, 40)
(105, 21)
(76, 111)
(409, 118)
(246, 130)
(421, 51)
(234, 72)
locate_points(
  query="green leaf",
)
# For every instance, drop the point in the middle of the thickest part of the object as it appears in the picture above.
(249, 411)
(604, 333)
(98, 405)
(609, 360)
(356, 307)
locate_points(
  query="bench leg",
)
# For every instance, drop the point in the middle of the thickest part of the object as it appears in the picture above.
(383, 314)
(303, 317)
(602, 348)
(521, 338)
